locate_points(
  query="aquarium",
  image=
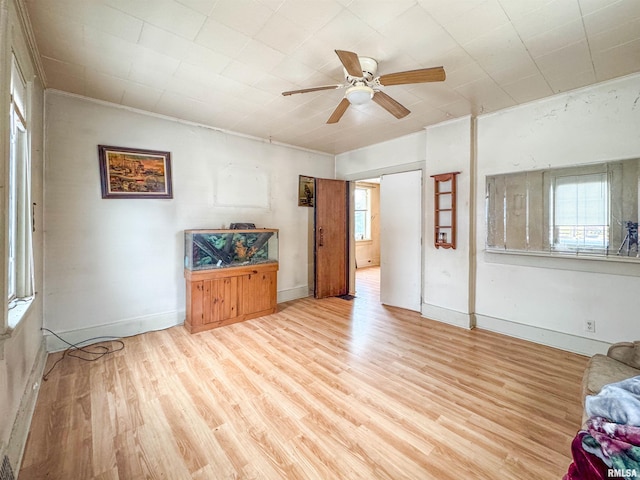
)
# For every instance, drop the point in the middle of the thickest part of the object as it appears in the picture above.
(211, 249)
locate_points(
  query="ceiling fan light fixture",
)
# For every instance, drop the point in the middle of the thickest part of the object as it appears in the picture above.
(359, 94)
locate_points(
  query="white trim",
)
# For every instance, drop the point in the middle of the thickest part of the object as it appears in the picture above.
(445, 315)
(30, 38)
(186, 122)
(612, 265)
(22, 422)
(138, 325)
(379, 172)
(294, 293)
(122, 328)
(551, 338)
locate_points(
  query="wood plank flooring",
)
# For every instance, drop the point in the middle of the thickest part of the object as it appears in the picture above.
(323, 389)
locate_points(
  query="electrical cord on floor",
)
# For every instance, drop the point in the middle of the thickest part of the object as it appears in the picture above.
(96, 352)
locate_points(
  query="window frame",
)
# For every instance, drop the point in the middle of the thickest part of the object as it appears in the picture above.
(367, 214)
(20, 271)
(520, 210)
(579, 180)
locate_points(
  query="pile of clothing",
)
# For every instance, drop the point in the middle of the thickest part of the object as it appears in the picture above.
(609, 445)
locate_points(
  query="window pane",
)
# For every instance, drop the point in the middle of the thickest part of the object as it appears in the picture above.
(581, 211)
(361, 198)
(13, 204)
(360, 225)
(362, 209)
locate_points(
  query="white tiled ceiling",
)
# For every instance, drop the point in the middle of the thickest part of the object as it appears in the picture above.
(224, 63)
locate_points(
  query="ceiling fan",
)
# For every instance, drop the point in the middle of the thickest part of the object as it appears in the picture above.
(363, 85)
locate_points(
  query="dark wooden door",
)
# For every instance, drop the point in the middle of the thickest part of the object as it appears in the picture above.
(331, 238)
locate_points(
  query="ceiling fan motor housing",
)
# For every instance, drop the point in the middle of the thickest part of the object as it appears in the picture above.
(369, 70)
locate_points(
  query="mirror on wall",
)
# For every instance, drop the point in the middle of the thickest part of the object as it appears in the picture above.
(583, 210)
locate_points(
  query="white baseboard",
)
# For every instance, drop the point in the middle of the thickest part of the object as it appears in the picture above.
(123, 328)
(135, 326)
(293, 294)
(445, 315)
(22, 422)
(563, 341)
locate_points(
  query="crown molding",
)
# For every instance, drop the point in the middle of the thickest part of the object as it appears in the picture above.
(25, 23)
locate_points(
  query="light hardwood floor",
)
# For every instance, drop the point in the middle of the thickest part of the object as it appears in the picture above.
(323, 389)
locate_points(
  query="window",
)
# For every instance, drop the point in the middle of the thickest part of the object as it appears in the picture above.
(584, 210)
(19, 216)
(580, 213)
(362, 213)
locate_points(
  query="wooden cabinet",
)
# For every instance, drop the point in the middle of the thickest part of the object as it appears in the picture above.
(259, 291)
(229, 295)
(445, 210)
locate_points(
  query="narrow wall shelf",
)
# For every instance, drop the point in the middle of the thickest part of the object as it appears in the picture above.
(445, 210)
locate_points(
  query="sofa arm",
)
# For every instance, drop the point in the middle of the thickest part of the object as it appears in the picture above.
(626, 352)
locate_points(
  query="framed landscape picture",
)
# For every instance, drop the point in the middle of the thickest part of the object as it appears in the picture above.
(306, 191)
(134, 173)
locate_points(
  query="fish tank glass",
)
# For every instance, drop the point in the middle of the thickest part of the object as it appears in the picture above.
(211, 249)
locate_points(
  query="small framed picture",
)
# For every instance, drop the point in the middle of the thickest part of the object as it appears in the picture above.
(134, 173)
(306, 191)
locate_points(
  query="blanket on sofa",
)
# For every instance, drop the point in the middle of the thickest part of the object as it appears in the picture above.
(610, 443)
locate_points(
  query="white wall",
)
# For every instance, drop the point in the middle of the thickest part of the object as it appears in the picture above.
(549, 299)
(115, 266)
(542, 299)
(393, 156)
(447, 274)
(447, 294)
(22, 353)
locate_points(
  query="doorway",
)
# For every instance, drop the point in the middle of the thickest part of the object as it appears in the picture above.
(366, 236)
(366, 223)
(387, 239)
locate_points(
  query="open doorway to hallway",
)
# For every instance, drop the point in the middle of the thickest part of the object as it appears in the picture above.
(366, 232)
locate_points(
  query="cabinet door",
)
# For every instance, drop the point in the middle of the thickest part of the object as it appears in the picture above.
(258, 292)
(195, 303)
(223, 299)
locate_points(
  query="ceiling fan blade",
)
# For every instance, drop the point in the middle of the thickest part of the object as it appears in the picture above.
(350, 62)
(390, 105)
(313, 89)
(422, 75)
(339, 111)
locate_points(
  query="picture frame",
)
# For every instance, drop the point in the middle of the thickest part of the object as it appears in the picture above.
(306, 191)
(134, 173)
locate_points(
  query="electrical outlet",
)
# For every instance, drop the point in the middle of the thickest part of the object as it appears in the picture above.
(590, 326)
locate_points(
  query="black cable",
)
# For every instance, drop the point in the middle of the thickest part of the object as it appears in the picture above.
(102, 350)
